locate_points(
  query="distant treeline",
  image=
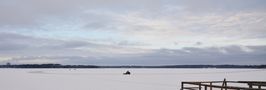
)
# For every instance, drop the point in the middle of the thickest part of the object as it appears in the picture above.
(191, 66)
(47, 66)
(94, 66)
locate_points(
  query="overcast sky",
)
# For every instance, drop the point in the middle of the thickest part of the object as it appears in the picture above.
(133, 32)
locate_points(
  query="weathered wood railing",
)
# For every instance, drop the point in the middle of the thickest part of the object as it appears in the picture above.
(251, 85)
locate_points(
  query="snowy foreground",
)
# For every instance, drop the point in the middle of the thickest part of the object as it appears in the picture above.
(112, 79)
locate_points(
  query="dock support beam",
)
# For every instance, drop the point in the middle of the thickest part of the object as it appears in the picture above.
(224, 84)
(199, 86)
(210, 85)
(182, 86)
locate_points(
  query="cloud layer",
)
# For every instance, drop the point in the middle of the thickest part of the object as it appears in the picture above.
(139, 32)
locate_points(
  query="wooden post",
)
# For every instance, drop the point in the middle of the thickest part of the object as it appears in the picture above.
(205, 87)
(182, 85)
(259, 86)
(224, 83)
(211, 86)
(249, 85)
(199, 86)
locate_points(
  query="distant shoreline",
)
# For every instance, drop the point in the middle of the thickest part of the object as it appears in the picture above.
(125, 66)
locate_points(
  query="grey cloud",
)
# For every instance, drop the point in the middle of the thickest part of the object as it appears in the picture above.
(52, 59)
(12, 42)
(170, 57)
(207, 56)
(20, 45)
(198, 43)
(227, 50)
(129, 43)
(222, 6)
(15, 44)
(32, 12)
(197, 56)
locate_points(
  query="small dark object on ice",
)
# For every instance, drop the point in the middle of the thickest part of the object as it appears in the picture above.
(127, 73)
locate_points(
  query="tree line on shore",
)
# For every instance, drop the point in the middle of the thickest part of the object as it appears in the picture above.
(127, 66)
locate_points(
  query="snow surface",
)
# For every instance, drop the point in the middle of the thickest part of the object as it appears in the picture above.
(113, 79)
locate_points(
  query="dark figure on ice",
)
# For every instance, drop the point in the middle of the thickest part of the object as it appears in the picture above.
(127, 73)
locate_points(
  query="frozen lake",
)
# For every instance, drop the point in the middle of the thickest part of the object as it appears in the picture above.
(112, 79)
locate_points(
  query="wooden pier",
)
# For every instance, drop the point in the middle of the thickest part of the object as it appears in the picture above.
(223, 85)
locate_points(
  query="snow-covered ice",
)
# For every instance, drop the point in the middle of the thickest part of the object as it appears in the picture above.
(113, 79)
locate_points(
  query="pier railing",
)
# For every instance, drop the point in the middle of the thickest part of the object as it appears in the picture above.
(223, 85)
